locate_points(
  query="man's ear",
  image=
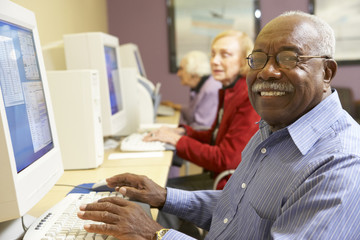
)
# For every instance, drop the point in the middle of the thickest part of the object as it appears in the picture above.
(330, 66)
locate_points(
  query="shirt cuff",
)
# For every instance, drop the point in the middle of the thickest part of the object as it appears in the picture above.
(176, 201)
(175, 235)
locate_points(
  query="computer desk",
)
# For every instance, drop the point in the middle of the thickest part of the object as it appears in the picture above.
(155, 168)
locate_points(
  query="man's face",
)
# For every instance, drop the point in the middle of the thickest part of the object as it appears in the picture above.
(225, 60)
(292, 92)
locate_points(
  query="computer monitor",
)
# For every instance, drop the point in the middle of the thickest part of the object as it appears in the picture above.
(30, 159)
(131, 57)
(149, 93)
(96, 50)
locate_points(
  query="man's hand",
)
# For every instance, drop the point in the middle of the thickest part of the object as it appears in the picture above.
(121, 218)
(139, 188)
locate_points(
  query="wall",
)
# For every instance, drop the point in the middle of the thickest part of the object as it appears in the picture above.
(144, 23)
(58, 17)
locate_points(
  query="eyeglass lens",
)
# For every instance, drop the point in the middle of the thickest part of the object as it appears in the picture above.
(285, 59)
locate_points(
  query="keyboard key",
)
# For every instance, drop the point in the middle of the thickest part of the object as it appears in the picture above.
(134, 142)
(63, 223)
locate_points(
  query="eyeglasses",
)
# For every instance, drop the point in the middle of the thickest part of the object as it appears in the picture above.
(285, 59)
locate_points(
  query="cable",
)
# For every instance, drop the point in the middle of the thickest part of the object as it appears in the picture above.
(69, 185)
(23, 224)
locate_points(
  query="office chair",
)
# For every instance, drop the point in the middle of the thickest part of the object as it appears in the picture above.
(348, 102)
(221, 176)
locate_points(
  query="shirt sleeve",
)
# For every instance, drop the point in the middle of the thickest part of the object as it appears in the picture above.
(206, 109)
(194, 206)
(238, 125)
(175, 235)
(226, 154)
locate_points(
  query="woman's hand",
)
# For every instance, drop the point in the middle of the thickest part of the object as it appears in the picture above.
(165, 134)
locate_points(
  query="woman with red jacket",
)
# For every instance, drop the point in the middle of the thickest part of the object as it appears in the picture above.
(220, 147)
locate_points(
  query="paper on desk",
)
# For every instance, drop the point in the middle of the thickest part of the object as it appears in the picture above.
(114, 156)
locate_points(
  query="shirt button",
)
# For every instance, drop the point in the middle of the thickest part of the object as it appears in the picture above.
(263, 150)
(226, 220)
(243, 185)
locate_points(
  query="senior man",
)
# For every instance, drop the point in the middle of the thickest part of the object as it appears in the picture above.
(300, 173)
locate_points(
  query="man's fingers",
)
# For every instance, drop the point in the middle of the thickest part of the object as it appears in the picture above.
(126, 179)
(112, 230)
(107, 229)
(131, 192)
(114, 205)
(111, 205)
(119, 201)
(99, 216)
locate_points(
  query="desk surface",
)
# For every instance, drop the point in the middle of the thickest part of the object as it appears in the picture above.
(155, 168)
(169, 119)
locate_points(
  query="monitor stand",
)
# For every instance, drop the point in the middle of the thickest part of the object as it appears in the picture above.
(13, 229)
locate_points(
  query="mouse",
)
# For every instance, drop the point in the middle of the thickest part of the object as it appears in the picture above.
(102, 186)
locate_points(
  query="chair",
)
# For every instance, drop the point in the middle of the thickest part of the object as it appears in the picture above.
(346, 99)
(348, 103)
(221, 176)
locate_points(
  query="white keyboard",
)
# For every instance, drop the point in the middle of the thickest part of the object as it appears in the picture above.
(165, 111)
(134, 143)
(61, 221)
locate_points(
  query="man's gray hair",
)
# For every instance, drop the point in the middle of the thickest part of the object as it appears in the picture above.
(326, 44)
(197, 63)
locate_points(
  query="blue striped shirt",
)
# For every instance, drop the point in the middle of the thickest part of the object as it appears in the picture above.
(300, 182)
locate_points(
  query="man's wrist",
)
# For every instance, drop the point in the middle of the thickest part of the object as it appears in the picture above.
(161, 233)
(163, 200)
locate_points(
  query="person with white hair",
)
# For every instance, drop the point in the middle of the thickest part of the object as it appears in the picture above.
(200, 113)
(194, 71)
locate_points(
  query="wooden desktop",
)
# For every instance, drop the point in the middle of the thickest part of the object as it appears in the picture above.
(156, 168)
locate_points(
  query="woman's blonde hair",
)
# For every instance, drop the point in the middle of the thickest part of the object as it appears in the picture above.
(245, 43)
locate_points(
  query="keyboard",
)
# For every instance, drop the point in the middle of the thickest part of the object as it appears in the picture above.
(163, 110)
(134, 143)
(61, 221)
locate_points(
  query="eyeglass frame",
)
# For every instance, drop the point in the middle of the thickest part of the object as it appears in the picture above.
(297, 59)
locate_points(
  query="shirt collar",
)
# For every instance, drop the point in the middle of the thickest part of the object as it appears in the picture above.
(308, 129)
(233, 83)
(200, 84)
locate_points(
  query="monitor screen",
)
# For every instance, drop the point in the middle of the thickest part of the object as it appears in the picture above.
(23, 95)
(131, 57)
(30, 157)
(112, 72)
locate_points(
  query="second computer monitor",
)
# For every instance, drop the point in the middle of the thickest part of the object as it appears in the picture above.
(131, 58)
(99, 51)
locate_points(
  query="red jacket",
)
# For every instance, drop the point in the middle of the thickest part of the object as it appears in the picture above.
(237, 126)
